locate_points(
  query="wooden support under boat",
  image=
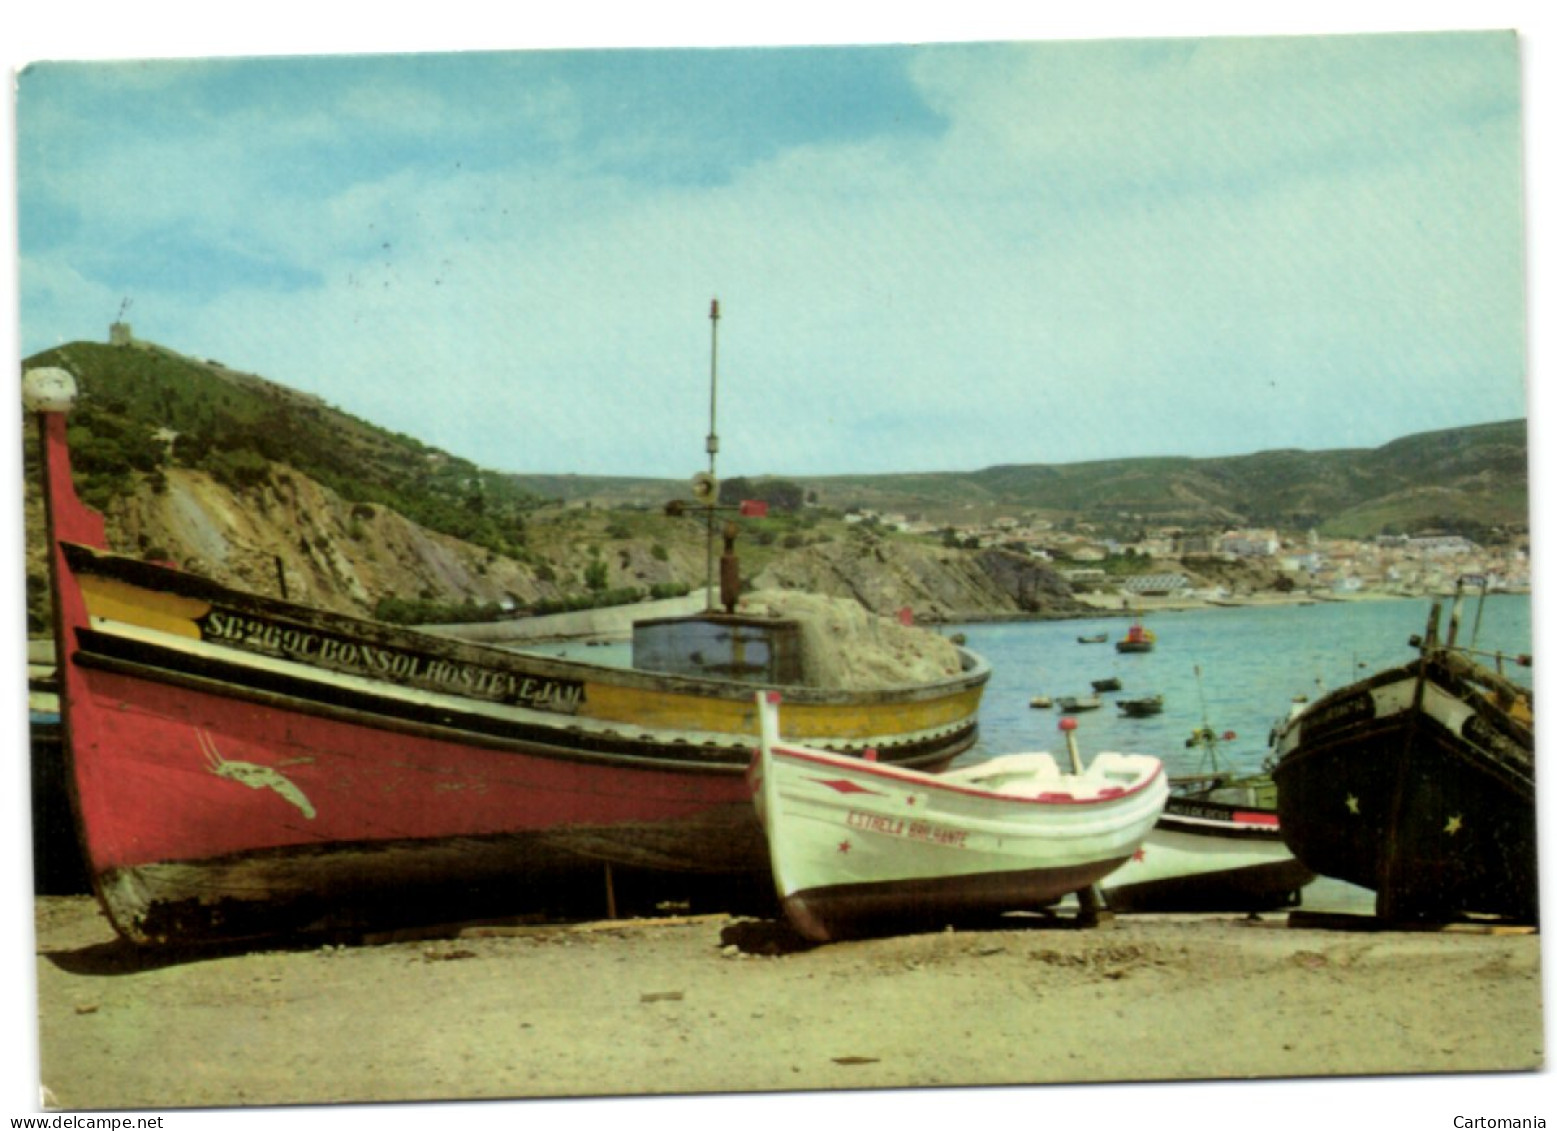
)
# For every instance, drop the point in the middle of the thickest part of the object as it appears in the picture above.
(1094, 912)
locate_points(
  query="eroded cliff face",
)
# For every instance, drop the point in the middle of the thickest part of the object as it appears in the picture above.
(291, 536)
(885, 575)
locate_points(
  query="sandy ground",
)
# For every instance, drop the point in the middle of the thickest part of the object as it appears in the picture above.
(713, 1004)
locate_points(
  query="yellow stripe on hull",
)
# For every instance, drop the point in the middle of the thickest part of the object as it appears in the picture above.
(624, 697)
(842, 722)
(111, 599)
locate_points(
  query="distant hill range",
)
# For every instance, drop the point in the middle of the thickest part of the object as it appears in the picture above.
(1471, 480)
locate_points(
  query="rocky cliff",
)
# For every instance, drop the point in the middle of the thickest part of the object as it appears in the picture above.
(289, 535)
(887, 574)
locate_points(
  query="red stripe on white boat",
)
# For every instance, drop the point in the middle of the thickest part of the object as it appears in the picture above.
(843, 785)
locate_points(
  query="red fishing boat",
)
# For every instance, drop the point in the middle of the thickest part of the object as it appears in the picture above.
(1138, 638)
(242, 767)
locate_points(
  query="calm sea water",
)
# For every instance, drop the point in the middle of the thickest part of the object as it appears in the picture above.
(1231, 669)
(1234, 670)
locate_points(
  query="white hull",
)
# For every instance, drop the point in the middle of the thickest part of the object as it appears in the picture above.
(856, 844)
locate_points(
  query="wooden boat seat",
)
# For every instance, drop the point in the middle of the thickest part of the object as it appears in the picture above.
(1006, 766)
(1014, 775)
(1111, 767)
(1038, 776)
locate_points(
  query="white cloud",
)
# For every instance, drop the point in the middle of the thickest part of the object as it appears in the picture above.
(1111, 249)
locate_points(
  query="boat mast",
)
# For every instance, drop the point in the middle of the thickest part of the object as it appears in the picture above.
(1455, 610)
(1481, 605)
(1206, 734)
(712, 446)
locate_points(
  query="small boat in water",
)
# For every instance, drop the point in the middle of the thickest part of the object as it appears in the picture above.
(859, 847)
(1419, 784)
(1096, 638)
(1040, 701)
(1111, 683)
(1078, 703)
(1140, 706)
(1138, 638)
(244, 767)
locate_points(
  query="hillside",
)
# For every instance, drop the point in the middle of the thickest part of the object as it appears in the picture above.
(225, 421)
(267, 488)
(1464, 479)
(1468, 480)
(145, 408)
(260, 487)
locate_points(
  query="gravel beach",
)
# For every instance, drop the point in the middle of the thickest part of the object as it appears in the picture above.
(716, 1005)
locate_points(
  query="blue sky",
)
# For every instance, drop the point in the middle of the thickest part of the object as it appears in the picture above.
(929, 257)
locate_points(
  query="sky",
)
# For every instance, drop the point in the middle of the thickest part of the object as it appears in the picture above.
(939, 256)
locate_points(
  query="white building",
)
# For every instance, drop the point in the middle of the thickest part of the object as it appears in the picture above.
(1250, 543)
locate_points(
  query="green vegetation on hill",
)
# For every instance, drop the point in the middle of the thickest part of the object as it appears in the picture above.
(1470, 480)
(142, 408)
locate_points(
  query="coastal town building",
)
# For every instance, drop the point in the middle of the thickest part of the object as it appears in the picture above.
(1173, 562)
(1250, 543)
(1156, 585)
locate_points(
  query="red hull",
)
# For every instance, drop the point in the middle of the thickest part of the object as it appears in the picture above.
(243, 776)
(209, 814)
(248, 783)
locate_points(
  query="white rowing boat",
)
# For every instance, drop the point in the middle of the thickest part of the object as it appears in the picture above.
(859, 847)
